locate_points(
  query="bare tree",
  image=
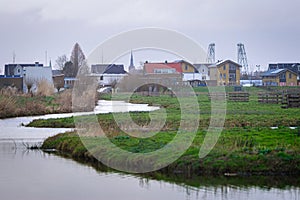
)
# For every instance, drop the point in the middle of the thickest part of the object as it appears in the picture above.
(77, 58)
(61, 61)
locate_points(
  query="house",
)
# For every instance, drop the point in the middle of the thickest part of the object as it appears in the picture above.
(108, 74)
(38, 73)
(203, 69)
(279, 77)
(32, 73)
(186, 70)
(295, 67)
(11, 81)
(225, 72)
(17, 69)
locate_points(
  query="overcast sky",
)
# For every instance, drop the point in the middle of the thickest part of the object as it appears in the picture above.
(270, 29)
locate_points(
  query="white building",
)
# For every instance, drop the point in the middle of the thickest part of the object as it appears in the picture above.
(203, 71)
(31, 73)
(108, 73)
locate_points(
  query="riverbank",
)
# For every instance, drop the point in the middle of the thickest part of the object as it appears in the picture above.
(239, 161)
(249, 143)
(18, 104)
(243, 181)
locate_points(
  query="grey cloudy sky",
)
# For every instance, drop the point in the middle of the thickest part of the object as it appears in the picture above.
(269, 28)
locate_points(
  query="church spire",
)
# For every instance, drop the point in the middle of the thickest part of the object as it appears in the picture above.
(131, 66)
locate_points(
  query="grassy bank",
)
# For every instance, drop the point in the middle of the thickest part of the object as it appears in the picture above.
(18, 104)
(246, 146)
(264, 182)
(247, 154)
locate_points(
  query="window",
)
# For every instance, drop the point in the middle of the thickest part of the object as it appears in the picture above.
(224, 67)
(232, 67)
(203, 77)
(224, 76)
(290, 75)
(282, 76)
(164, 71)
(19, 71)
(232, 77)
(186, 67)
(203, 70)
(220, 76)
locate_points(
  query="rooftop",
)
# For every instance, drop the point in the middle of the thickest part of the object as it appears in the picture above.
(275, 72)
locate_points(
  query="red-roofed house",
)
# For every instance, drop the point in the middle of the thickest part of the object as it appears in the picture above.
(187, 71)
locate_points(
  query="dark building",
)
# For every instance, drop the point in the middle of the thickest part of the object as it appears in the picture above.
(279, 77)
(15, 69)
(108, 69)
(295, 67)
(11, 81)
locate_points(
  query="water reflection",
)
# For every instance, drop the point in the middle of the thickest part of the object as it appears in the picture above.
(33, 174)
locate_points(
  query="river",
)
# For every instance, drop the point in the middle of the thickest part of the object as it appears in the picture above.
(35, 175)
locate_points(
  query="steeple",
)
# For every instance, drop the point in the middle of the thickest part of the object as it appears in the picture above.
(131, 66)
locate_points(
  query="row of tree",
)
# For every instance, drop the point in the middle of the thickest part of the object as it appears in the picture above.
(70, 66)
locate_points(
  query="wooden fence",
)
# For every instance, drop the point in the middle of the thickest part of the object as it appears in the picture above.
(231, 96)
(274, 98)
(291, 100)
(217, 96)
(288, 99)
(238, 96)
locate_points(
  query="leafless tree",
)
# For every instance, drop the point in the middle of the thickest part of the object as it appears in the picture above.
(61, 61)
(77, 58)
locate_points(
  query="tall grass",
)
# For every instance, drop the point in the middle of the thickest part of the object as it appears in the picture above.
(44, 88)
(15, 104)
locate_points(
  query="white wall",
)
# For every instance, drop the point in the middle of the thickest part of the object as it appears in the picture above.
(37, 74)
(191, 76)
(108, 78)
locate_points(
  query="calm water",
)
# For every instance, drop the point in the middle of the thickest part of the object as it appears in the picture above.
(33, 174)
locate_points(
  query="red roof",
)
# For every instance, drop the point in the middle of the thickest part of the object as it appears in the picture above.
(149, 67)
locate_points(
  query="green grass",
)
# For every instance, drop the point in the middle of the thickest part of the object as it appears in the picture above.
(247, 144)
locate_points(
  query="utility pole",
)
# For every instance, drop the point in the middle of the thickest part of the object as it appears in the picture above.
(211, 53)
(242, 58)
(46, 57)
(14, 57)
